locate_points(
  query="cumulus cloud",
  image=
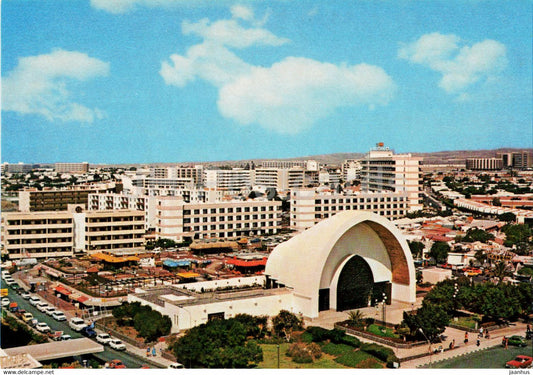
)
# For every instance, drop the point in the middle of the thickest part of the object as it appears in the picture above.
(38, 85)
(460, 66)
(293, 94)
(287, 97)
(124, 6)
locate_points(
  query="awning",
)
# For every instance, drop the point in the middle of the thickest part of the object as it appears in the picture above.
(188, 275)
(247, 263)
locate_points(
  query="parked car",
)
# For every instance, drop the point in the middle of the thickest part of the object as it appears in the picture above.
(175, 365)
(41, 306)
(59, 316)
(34, 300)
(5, 302)
(25, 295)
(517, 341)
(27, 317)
(88, 332)
(65, 337)
(33, 322)
(103, 338)
(77, 324)
(115, 363)
(9, 281)
(520, 361)
(117, 344)
(49, 310)
(42, 327)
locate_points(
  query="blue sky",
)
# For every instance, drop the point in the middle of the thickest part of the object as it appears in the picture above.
(139, 81)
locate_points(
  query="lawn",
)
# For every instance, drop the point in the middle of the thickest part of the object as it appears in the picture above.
(377, 330)
(465, 321)
(270, 359)
(493, 358)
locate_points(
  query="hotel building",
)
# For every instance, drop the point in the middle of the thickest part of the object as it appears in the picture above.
(309, 206)
(71, 167)
(382, 170)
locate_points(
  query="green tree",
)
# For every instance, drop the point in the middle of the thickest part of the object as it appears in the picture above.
(508, 217)
(475, 234)
(439, 251)
(217, 344)
(355, 317)
(480, 256)
(500, 270)
(518, 235)
(254, 325)
(416, 248)
(285, 323)
(432, 319)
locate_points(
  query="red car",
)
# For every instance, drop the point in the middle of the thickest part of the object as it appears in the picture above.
(115, 363)
(520, 361)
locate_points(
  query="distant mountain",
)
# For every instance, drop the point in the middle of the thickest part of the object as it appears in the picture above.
(439, 157)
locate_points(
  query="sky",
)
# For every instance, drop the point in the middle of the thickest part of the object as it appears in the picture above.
(144, 81)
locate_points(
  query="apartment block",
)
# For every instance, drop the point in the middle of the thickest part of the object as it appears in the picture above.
(38, 235)
(50, 234)
(383, 170)
(518, 159)
(229, 179)
(309, 165)
(280, 178)
(117, 231)
(71, 167)
(484, 164)
(177, 219)
(309, 206)
(58, 199)
(18, 168)
(350, 169)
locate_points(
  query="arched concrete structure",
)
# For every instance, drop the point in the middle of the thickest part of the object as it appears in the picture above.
(313, 260)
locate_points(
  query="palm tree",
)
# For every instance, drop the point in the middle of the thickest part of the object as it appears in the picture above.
(355, 317)
(500, 270)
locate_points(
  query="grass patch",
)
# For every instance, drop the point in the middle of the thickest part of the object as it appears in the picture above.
(336, 349)
(382, 331)
(465, 321)
(270, 359)
(356, 358)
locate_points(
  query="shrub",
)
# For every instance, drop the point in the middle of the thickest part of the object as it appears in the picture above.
(336, 349)
(370, 363)
(318, 334)
(299, 353)
(369, 321)
(315, 350)
(377, 351)
(353, 358)
(336, 335)
(351, 340)
(391, 359)
(306, 337)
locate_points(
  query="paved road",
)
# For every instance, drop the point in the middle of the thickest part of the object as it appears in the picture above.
(131, 361)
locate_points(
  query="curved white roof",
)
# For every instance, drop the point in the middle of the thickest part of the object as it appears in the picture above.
(309, 261)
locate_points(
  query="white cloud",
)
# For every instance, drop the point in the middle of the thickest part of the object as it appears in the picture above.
(287, 97)
(229, 33)
(295, 93)
(242, 12)
(38, 85)
(460, 67)
(124, 6)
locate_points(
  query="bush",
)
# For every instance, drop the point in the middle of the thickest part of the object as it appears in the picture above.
(336, 349)
(391, 359)
(370, 363)
(369, 321)
(318, 334)
(315, 350)
(336, 335)
(299, 353)
(378, 351)
(351, 340)
(306, 337)
(353, 358)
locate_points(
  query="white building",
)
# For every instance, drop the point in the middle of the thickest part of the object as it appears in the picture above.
(229, 179)
(280, 178)
(176, 219)
(310, 206)
(382, 170)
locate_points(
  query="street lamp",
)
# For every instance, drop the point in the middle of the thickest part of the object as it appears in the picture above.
(384, 304)
(429, 342)
(278, 354)
(455, 292)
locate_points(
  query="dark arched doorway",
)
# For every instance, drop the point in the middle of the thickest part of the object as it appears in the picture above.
(355, 286)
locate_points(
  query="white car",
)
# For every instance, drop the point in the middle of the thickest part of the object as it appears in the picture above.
(5, 274)
(41, 306)
(77, 324)
(175, 365)
(117, 344)
(9, 281)
(42, 327)
(59, 315)
(25, 295)
(65, 338)
(103, 338)
(50, 310)
(34, 300)
(5, 302)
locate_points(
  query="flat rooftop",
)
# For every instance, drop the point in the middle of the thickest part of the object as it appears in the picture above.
(181, 297)
(59, 349)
